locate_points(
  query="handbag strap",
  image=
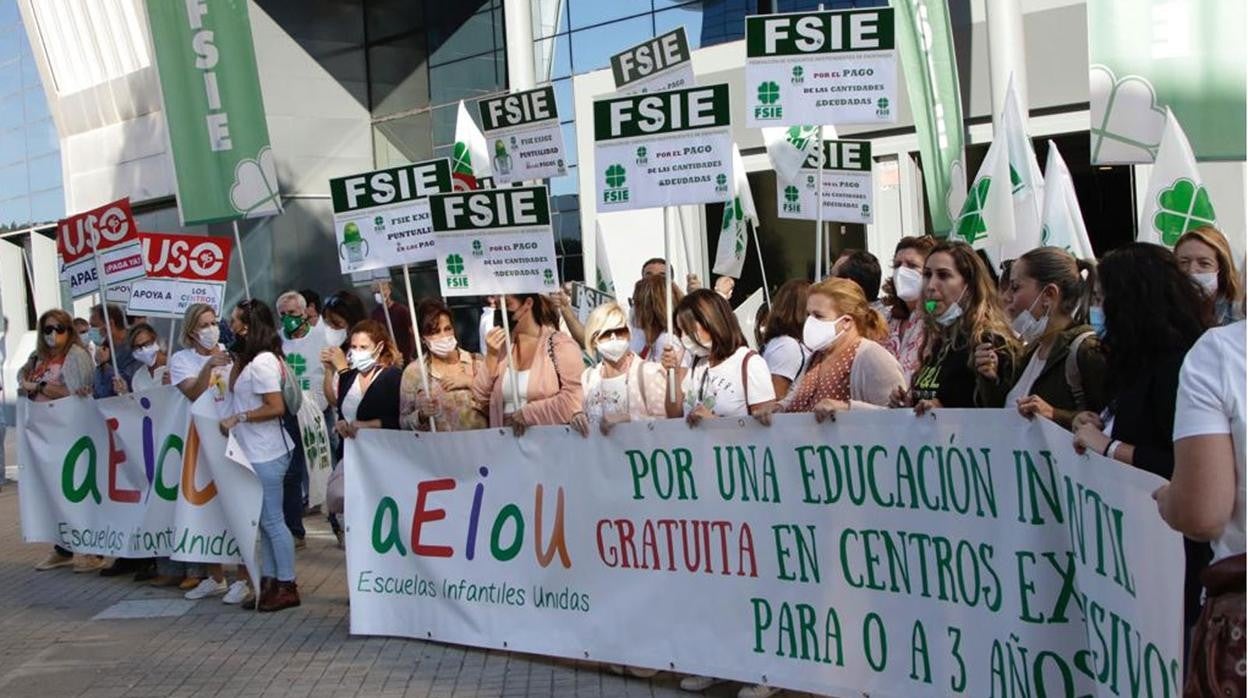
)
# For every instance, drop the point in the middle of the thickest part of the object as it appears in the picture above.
(550, 350)
(745, 378)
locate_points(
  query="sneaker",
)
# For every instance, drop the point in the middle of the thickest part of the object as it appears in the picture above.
(694, 684)
(758, 690)
(89, 563)
(54, 560)
(237, 593)
(191, 583)
(207, 587)
(301, 543)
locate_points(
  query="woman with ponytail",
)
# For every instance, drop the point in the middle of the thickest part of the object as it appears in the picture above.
(849, 369)
(1064, 363)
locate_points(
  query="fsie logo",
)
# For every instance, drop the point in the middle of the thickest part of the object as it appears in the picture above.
(455, 276)
(768, 94)
(615, 178)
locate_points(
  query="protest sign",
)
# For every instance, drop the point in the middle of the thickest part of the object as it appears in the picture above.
(181, 270)
(655, 65)
(663, 148)
(381, 218)
(495, 241)
(966, 553)
(130, 476)
(523, 130)
(848, 191)
(821, 68)
(585, 298)
(109, 232)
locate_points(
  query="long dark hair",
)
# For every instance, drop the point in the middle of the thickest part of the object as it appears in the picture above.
(983, 319)
(1074, 278)
(349, 307)
(712, 312)
(1151, 309)
(787, 315)
(428, 313)
(923, 244)
(261, 333)
(544, 312)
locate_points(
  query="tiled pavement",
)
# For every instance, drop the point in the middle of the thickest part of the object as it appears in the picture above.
(56, 639)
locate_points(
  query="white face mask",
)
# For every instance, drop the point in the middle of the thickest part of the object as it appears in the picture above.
(377, 298)
(693, 347)
(48, 339)
(818, 334)
(208, 337)
(613, 349)
(952, 313)
(443, 346)
(147, 355)
(1028, 327)
(907, 283)
(361, 360)
(1207, 280)
(335, 338)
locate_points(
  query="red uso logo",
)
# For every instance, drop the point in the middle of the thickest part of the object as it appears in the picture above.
(185, 257)
(101, 228)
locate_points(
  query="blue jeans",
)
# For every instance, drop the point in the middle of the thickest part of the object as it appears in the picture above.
(277, 546)
(292, 492)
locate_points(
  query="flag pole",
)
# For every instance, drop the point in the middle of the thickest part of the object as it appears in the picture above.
(762, 269)
(667, 289)
(819, 205)
(242, 261)
(420, 352)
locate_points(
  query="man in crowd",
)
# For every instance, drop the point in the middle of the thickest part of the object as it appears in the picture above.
(116, 340)
(313, 300)
(302, 344)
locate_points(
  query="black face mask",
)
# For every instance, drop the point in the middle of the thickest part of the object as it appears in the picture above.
(238, 345)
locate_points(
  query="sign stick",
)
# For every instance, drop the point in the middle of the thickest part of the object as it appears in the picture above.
(108, 322)
(819, 206)
(385, 310)
(762, 269)
(667, 289)
(420, 352)
(242, 261)
(173, 329)
(684, 239)
(511, 368)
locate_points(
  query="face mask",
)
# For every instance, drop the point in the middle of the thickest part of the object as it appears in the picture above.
(94, 336)
(291, 324)
(1096, 318)
(360, 360)
(239, 344)
(378, 299)
(208, 337)
(1207, 280)
(908, 283)
(335, 338)
(147, 354)
(48, 339)
(1028, 327)
(693, 347)
(613, 349)
(951, 314)
(443, 346)
(818, 334)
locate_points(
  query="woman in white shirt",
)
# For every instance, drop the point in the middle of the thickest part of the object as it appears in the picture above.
(786, 356)
(256, 409)
(145, 347)
(622, 387)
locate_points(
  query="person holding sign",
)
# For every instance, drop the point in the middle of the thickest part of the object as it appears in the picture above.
(623, 387)
(849, 370)
(256, 409)
(968, 359)
(544, 368)
(450, 371)
(60, 367)
(650, 314)
(368, 392)
(109, 336)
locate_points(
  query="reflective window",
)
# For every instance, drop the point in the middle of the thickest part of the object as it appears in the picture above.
(30, 160)
(587, 13)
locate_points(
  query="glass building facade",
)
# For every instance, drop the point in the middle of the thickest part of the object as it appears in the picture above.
(30, 159)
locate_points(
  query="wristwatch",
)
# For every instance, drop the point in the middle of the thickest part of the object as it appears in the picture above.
(241, 416)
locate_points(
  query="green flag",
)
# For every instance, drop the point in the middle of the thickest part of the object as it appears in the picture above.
(220, 142)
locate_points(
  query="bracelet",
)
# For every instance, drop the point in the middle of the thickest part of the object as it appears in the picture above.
(241, 416)
(343, 371)
(1111, 448)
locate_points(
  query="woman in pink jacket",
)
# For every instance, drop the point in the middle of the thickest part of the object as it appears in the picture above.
(547, 368)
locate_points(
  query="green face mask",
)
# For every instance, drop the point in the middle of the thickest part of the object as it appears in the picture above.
(291, 324)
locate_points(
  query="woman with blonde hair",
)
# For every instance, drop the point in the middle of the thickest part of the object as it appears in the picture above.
(623, 387)
(849, 369)
(1205, 255)
(969, 352)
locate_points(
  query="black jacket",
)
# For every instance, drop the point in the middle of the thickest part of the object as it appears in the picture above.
(381, 399)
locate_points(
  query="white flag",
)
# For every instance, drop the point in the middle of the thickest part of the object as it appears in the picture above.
(788, 148)
(1177, 199)
(470, 160)
(601, 262)
(1062, 222)
(986, 221)
(1026, 182)
(733, 235)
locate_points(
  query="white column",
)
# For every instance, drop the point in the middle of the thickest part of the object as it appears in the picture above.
(518, 21)
(1006, 53)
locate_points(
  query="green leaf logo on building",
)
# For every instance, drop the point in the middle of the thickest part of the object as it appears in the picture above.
(971, 226)
(616, 192)
(477, 250)
(768, 92)
(1183, 207)
(798, 74)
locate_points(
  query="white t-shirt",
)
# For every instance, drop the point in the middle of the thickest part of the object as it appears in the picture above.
(261, 441)
(146, 380)
(187, 363)
(654, 352)
(509, 394)
(1022, 387)
(1211, 400)
(351, 401)
(787, 357)
(303, 356)
(608, 397)
(720, 388)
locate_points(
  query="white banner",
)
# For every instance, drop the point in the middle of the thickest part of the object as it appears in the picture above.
(132, 476)
(848, 190)
(961, 553)
(381, 218)
(496, 241)
(821, 68)
(663, 148)
(655, 65)
(524, 136)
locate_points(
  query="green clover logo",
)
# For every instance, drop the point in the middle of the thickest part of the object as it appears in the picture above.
(882, 103)
(455, 264)
(641, 151)
(615, 176)
(721, 179)
(799, 136)
(790, 194)
(768, 92)
(1184, 206)
(971, 226)
(549, 275)
(298, 365)
(378, 221)
(797, 71)
(476, 245)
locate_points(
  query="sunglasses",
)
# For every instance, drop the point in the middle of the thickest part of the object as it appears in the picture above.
(55, 329)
